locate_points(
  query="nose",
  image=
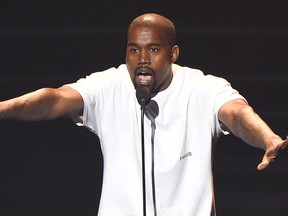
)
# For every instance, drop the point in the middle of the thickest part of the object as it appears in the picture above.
(144, 58)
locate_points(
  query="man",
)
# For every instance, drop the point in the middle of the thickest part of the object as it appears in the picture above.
(194, 110)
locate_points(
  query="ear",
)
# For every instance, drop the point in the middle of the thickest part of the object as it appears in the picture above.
(174, 53)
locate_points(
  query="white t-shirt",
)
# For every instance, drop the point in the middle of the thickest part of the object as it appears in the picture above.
(186, 127)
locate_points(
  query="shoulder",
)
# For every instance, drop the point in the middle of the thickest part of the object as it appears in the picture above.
(103, 77)
(196, 76)
(109, 73)
(186, 71)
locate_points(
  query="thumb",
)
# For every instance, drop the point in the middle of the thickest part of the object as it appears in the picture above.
(271, 154)
(266, 161)
(263, 165)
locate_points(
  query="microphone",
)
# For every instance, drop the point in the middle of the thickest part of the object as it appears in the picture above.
(152, 110)
(143, 95)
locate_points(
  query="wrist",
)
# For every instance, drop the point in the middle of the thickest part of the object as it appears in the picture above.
(273, 142)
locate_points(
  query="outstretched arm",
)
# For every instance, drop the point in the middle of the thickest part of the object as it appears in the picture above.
(244, 123)
(43, 104)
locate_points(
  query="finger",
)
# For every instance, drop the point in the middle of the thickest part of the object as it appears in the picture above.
(285, 143)
(265, 162)
(262, 165)
(283, 150)
(272, 155)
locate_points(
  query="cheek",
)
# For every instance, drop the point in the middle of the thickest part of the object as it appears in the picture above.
(131, 62)
(163, 73)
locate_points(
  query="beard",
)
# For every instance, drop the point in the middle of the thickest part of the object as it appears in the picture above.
(151, 85)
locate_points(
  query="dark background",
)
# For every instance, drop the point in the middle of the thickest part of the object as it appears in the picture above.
(54, 168)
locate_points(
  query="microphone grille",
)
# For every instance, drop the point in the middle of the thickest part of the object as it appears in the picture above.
(143, 94)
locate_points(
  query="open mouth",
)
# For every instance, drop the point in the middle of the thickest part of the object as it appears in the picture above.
(144, 71)
(144, 75)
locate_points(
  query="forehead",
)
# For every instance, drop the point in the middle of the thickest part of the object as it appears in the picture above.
(147, 34)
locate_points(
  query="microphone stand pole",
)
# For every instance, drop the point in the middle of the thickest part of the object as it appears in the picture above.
(143, 156)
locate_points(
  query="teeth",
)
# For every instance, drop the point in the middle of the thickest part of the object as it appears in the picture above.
(144, 74)
(144, 79)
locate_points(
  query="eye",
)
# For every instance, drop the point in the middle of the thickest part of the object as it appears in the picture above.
(134, 50)
(154, 49)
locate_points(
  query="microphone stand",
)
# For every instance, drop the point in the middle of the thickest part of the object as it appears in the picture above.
(143, 96)
(143, 155)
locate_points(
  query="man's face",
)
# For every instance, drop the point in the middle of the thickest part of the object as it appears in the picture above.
(149, 58)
